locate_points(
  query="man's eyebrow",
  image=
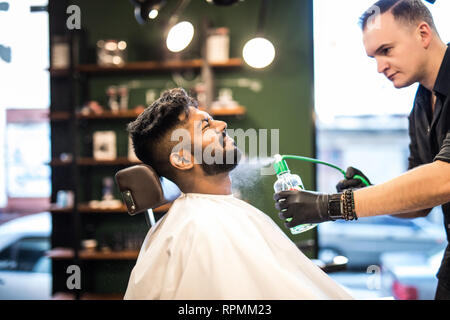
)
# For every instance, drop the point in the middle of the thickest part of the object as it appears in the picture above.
(381, 48)
(206, 117)
(199, 122)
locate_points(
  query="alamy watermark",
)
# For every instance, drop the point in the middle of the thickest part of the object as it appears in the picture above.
(374, 20)
(374, 279)
(74, 279)
(73, 22)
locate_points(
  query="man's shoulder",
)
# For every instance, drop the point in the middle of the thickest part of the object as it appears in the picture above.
(207, 216)
(195, 216)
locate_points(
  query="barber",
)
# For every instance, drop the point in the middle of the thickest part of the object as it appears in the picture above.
(403, 39)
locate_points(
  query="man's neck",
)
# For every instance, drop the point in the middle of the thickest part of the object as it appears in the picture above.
(216, 184)
(435, 62)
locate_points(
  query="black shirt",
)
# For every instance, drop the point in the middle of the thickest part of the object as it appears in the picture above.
(430, 136)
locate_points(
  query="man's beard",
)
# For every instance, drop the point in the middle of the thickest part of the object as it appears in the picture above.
(230, 159)
(218, 168)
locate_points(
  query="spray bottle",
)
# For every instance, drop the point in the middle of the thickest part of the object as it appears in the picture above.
(287, 181)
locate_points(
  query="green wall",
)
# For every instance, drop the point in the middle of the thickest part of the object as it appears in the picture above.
(286, 99)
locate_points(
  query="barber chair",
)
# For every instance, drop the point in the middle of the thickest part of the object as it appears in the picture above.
(143, 190)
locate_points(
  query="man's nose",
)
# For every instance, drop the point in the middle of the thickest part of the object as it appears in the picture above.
(382, 65)
(219, 125)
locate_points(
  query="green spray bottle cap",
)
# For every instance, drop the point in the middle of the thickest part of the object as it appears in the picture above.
(280, 165)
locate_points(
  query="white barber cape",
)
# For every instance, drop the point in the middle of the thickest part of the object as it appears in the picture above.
(219, 247)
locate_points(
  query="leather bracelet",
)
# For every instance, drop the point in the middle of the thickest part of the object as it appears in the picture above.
(335, 207)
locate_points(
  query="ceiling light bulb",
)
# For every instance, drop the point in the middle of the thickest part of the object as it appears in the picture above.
(153, 14)
(180, 36)
(258, 53)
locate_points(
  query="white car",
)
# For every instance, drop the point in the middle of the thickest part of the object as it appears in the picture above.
(25, 272)
(411, 276)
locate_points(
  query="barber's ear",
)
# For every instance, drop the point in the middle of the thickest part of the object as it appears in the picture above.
(425, 33)
(178, 161)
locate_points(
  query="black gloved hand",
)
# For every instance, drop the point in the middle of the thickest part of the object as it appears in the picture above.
(302, 207)
(350, 181)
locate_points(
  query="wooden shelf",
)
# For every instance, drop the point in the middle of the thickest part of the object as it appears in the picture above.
(85, 208)
(145, 66)
(59, 115)
(58, 163)
(65, 115)
(129, 114)
(132, 114)
(59, 72)
(88, 296)
(121, 161)
(67, 253)
(237, 111)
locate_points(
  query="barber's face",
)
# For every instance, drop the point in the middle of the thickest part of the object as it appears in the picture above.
(219, 152)
(397, 49)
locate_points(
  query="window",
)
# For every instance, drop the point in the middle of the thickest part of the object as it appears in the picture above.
(361, 118)
(24, 84)
(346, 80)
(361, 121)
(27, 153)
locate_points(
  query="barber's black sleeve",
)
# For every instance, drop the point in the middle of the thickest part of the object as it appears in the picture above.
(444, 153)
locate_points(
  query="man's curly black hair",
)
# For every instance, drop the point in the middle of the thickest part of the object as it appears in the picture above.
(151, 130)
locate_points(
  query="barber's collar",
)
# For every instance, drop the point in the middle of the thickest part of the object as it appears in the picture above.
(442, 85)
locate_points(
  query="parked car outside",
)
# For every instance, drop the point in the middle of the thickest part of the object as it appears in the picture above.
(411, 276)
(25, 272)
(364, 240)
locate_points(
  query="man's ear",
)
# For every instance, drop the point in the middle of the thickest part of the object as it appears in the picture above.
(426, 33)
(179, 161)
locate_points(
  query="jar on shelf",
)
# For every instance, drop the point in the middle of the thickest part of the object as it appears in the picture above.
(111, 52)
(218, 45)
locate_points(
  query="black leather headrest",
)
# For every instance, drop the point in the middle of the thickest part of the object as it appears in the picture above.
(143, 189)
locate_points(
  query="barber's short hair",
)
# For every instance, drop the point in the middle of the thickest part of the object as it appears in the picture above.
(150, 132)
(409, 11)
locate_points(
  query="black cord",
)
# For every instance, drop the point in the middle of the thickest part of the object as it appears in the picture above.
(262, 17)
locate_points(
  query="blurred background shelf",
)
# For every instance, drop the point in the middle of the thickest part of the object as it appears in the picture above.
(86, 208)
(132, 114)
(121, 161)
(236, 111)
(87, 296)
(67, 253)
(144, 66)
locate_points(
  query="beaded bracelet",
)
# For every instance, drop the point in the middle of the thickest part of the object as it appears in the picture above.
(348, 205)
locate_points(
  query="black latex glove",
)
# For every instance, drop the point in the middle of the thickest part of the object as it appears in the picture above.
(302, 206)
(350, 182)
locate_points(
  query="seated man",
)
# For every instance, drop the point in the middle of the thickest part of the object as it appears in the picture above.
(211, 245)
